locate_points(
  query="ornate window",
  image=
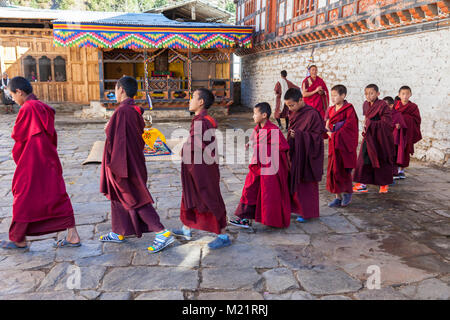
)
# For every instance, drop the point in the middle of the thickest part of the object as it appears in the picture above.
(45, 69)
(29, 67)
(59, 65)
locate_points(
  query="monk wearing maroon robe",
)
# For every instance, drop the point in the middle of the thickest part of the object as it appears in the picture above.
(265, 197)
(123, 176)
(281, 110)
(202, 205)
(41, 204)
(411, 115)
(376, 155)
(342, 127)
(315, 91)
(400, 131)
(305, 138)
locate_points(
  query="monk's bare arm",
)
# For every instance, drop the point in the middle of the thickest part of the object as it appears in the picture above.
(307, 94)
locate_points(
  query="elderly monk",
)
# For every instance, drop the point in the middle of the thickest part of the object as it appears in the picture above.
(315, 91)
(41, 204)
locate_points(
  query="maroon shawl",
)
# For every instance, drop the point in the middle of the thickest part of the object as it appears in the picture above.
(411, 115)
(201, 181)
(123, 175)
(282, 113)
(317, 101)
(38, 186)
(377, 132)
(344, 139)
(306, 148)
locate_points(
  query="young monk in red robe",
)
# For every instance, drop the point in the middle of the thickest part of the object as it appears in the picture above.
(411, 114)
(342, 130)
(400, 129)
(41, 204)
(281, 110)
(202, 206)
(305, 138)
(265, 197)
(375, 159)
(315, 91)
(123, 176)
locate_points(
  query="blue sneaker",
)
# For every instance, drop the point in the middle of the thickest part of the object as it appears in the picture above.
(300, 219)
(218, 243)
(182, 233)
(335, 203)
(346, 199)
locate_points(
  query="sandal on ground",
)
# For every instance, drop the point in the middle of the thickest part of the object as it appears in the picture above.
(11, 245)
(64, 243)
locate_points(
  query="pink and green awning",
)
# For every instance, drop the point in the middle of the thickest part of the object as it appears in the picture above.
(175, 35)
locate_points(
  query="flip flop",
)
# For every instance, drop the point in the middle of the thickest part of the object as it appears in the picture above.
(11, 245)
(64, 243)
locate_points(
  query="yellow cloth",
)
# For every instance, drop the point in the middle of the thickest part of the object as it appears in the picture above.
(150, 135)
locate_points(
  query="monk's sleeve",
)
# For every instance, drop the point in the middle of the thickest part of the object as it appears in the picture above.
(417, 120)
(117, 138)
(346, 138)
(278, 90)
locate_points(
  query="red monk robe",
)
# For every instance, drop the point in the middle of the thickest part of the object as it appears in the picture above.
(41, 204)
(399, 138)
(306, 156)
(265, 196)
(318, 101)
(202, 206)
(278, 92)
(123, 176)
(376, 155)
(411, 114)
(342, 147)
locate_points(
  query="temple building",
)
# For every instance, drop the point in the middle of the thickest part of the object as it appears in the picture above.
(77, 56)
(355, 42)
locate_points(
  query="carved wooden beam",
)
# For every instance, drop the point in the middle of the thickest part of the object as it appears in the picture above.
(393, 18)
(355, 26)
(384, 21)
(405, 16)
(444, 6)
(417, 13)
(363, 25)
(430, 10)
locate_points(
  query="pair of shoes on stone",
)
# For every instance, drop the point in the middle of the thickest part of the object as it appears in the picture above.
(242, 223)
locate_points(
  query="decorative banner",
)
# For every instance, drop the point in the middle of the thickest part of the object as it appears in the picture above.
(132, 37)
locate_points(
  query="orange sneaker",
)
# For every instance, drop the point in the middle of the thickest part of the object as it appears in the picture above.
(384, 189)
(360, 188)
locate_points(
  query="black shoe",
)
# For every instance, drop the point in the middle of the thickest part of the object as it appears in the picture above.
(243, 223)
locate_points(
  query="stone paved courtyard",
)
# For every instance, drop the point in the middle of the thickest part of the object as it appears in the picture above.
(405, 233)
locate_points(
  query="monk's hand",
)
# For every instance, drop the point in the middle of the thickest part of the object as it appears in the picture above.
(292, 133)
(106, 124)
(329, 133)
(397, 125)
(247, 146)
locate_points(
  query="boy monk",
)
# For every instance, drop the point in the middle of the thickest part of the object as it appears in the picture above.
(281, 110)
(41, 204)
(342, 130)
(400, 129)
(375, 159)
(411, 114)
(202, 206)
(305, 138)
(265, 197)
(123, 177)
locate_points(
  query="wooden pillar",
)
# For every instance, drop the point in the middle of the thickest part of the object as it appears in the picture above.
(86, 71)
(101, 74)
(231, 75)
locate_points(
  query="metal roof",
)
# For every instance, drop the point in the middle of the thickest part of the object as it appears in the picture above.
(204, 11)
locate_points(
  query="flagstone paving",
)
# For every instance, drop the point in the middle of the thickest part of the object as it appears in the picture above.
(404, 233)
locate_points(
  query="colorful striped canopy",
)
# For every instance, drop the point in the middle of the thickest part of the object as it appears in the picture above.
(176, 35)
